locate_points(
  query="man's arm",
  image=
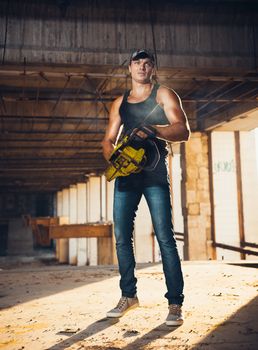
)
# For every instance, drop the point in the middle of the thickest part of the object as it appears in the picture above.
(178, 130)
(112, 129)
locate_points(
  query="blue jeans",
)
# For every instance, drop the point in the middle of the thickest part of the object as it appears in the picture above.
(125, 207)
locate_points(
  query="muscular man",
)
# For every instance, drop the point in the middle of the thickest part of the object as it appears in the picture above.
(168, 123)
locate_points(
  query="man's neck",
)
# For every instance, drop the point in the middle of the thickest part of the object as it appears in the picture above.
(141, 89)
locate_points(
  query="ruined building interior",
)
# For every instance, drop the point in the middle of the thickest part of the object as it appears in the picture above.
(62, 65)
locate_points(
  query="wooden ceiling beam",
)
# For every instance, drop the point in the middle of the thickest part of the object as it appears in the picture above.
(21, 147)
(46, 169)
(107, 71)
(55, 132)
(49, 117)
(32, 158)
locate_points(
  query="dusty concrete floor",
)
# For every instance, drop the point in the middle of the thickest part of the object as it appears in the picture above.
(63, 307)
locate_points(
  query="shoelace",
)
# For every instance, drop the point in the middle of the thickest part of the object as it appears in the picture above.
(175, 309)
(121, 303)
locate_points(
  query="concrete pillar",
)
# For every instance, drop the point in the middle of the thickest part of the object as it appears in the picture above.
(81, 219)
(93, 215)
(64, 219)
(103, 198)
(59, 204)
(73, 220)
(196, 198)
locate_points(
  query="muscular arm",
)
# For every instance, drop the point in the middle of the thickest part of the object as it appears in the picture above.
(178, 129)
(112, 129)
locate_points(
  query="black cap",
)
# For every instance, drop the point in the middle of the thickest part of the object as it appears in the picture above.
(142, 53)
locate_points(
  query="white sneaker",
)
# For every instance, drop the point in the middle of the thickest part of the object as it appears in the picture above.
(175, 315)
(125, 304)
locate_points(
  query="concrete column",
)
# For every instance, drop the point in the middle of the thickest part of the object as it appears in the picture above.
(81, 219)
(73, 220)
(64, 219)
(93, 215)
(59, 204)
(103, 198)
(196, 197)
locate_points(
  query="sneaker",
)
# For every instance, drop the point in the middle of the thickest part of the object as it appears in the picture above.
(125, 304)
(175, 315)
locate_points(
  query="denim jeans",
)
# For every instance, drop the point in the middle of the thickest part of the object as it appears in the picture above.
(125, 207)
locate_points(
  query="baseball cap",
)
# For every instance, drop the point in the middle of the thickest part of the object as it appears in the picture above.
(142, 53)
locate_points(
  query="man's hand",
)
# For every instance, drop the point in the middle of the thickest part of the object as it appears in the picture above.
(145, 131)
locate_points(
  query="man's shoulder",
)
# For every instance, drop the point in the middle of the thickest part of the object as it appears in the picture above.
(162, 89)
(118, 101)
(166, 92)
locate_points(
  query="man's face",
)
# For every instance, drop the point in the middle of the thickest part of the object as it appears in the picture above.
(141, 70)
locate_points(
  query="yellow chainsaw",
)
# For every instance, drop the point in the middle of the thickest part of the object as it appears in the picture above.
(129, 156)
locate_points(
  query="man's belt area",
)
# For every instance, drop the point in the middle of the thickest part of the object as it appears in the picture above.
(133, 154)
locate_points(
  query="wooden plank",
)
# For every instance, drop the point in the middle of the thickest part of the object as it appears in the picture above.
(81, 230)
(45, 221)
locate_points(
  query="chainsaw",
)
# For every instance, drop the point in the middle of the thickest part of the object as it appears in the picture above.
(129, 156)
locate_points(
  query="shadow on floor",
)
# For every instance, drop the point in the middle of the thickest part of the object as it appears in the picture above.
(103, 324)
(156, 333)
(240, 331)
(92, 329)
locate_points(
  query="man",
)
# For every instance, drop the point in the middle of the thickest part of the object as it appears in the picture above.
(160, 111)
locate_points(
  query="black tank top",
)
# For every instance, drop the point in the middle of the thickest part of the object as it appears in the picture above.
(132, 115)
